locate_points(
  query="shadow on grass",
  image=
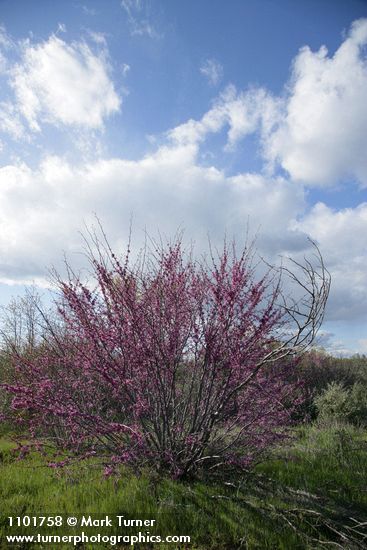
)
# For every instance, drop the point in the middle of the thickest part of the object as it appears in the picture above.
(307, 496)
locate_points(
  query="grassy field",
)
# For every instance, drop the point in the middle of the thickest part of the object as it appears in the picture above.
(308, 495)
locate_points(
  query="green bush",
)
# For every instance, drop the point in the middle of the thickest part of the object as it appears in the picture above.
(316, 369)
(358, 395)
(340, 403)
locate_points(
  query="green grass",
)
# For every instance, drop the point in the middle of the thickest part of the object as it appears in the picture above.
(331, 461)
(304, 492)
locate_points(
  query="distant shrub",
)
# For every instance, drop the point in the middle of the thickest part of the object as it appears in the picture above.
(318, 370)
(340, 403)
(358, 395)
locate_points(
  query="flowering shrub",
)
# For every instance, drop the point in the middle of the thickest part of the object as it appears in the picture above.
(171, 361)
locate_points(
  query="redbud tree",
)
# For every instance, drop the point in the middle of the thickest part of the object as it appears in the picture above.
(171, 361)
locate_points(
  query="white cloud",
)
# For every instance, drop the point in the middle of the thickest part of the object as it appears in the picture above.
(340, 236)
(138, 18)
(5, 40)
(316, 130)
(241, 113)
(321, 138)
(168, 189)
(62, 83)
(212, 70)
(61, 27)
(3, 63)
(42, 210)
(98, 38)
(10, 121)
(5, 44)
(328, 341)
(89, 11)
(363, 345)
(125, 68)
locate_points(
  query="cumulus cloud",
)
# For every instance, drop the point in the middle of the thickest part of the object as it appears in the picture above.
(62, 83)
(212, 70)
(42, 210)
(241, 113)
(340, 236)
(321, 137)
(316, 129)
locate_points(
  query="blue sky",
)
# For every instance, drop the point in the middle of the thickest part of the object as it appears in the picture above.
(202, 115)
